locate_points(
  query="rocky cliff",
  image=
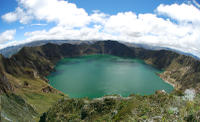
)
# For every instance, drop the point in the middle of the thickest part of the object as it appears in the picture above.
(24, 73)
(5, 85)
(40, 61)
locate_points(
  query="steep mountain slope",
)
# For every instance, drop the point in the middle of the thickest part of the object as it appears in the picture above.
(15, 108)
(184, 71)
(4, 83)
(24, 73)
(158, 107)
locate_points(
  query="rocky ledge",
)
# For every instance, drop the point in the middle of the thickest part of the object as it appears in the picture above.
(24, 74)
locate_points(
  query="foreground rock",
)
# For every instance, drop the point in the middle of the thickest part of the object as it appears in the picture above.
(158, 107)
(24, 74)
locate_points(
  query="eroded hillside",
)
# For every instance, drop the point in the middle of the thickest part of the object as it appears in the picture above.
(24, 75)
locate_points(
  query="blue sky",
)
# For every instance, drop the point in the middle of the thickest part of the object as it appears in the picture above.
(167, 23)
(115, 6)
(106, 6)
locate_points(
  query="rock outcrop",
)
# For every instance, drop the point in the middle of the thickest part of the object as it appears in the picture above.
(38, 62)
(24, 74)
(5, 85)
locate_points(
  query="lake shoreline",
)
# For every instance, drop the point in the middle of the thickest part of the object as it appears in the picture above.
(120, 76)
(169, 80)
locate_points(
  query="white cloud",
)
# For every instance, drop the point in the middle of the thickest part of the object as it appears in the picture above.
(10, 17)
(7, 36)
(150, 28)
(38, 24)
(196, 3)
(98, 17)
(18, 14)
(61, 32)
(183, 12)
(21, 27)
(59, 11)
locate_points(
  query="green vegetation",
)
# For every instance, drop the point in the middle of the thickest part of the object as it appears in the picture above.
(26, 94)
(158, 107)
(15, 108)
(28, 101)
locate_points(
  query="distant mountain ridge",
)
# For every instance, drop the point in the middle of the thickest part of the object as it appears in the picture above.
(41, 59)
(24, 74)
(9, 51)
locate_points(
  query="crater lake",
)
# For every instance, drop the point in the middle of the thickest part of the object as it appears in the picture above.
(95, 76)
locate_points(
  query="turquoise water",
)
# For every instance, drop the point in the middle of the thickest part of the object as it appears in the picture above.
(98, 75)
